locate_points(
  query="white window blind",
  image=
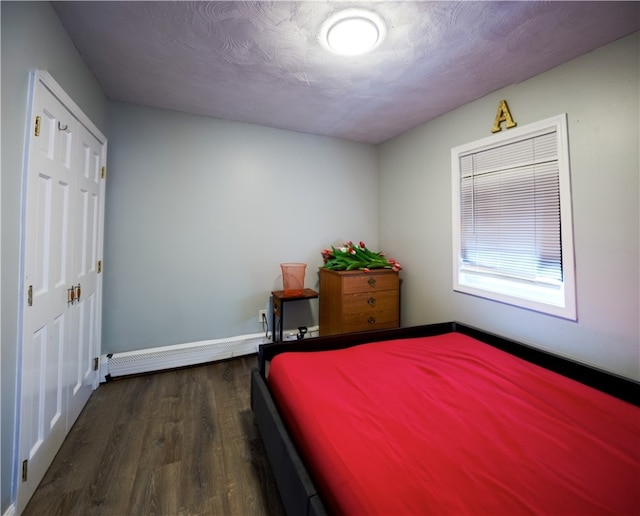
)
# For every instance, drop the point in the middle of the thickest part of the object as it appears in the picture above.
(511, 210)
(509, 222)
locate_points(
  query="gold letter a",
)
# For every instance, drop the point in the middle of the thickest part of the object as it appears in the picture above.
(503, 115)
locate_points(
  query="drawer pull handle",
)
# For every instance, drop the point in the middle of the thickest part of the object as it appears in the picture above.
(371, 320)
(372, 282)
(371, 301)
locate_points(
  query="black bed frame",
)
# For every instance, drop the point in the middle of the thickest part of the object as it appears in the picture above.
(298, 493)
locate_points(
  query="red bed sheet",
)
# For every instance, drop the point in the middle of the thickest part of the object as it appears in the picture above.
(450, 425)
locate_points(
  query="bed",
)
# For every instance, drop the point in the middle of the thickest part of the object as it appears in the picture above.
(444, 419)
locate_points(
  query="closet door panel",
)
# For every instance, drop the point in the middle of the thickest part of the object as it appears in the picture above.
(48, 266)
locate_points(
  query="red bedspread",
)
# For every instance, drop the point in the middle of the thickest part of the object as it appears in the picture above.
(450, 425)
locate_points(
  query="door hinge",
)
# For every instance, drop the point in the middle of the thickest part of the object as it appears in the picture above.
(96, 363)
(99, 266)
(37, 131)
(30, 295)
(103, 172)
(24, 470)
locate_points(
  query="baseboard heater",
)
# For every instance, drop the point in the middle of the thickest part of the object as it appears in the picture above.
(126, 363)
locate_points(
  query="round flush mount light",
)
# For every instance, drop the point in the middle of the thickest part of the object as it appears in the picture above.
(352, 32)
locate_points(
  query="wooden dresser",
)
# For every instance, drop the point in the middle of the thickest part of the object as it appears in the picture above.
(352, 301)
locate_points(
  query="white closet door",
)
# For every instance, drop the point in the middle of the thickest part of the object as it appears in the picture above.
(83, 344)
(60, 312)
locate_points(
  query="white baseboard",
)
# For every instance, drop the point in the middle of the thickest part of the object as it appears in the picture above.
(181, 355)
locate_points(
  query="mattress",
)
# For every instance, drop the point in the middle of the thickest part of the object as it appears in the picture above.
(450, 425)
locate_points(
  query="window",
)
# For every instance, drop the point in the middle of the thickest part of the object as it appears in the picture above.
(512, 227)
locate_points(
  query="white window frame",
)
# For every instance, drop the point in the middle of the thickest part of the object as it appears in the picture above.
(558, 301)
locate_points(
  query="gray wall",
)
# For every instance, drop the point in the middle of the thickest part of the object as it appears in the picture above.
(201, 212)
(32, 38)
(599, 91)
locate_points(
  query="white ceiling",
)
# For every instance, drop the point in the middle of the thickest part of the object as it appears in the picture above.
(260, 62)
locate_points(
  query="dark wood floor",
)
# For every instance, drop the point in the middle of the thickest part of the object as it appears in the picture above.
(181, 442)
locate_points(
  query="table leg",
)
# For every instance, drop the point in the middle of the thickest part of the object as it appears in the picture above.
(276, 317)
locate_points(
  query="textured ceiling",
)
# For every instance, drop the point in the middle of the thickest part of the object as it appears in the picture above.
(261, 62)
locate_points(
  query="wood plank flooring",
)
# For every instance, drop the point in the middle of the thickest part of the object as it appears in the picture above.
(180, 442)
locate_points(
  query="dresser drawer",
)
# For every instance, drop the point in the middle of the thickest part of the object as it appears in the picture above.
(373, 320)
(369, 282)
(370, 302)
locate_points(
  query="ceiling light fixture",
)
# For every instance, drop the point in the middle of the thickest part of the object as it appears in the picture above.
(352, 32)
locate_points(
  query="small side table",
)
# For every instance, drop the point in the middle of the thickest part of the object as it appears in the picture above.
(279, 299)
